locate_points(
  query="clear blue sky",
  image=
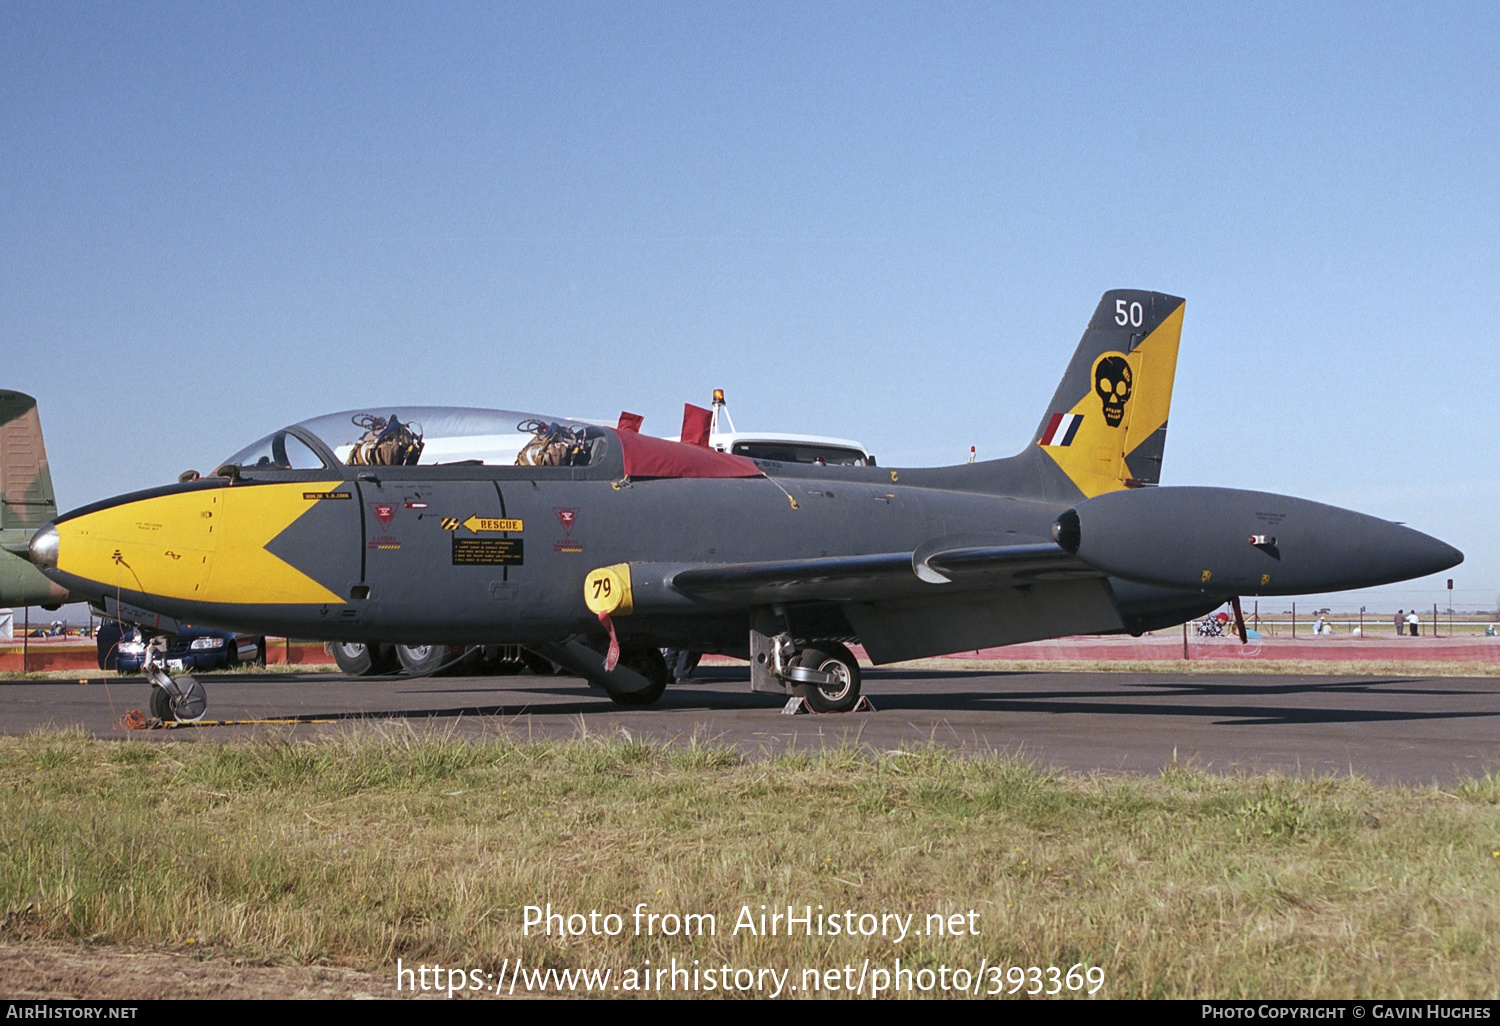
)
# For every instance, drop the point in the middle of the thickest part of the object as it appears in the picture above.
(882, 221)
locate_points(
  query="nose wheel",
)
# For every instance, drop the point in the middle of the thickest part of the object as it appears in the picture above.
(180, 699)
(188, 706)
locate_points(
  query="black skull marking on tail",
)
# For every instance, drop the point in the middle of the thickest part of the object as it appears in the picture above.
(1112, 381)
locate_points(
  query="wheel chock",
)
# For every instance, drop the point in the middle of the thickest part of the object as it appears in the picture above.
(797, 706)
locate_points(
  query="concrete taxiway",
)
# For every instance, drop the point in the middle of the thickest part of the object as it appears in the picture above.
(1396, 729)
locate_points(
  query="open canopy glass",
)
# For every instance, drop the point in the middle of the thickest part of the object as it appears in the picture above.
(430, 435)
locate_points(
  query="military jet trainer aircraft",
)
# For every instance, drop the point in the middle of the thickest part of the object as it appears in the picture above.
(596, 547)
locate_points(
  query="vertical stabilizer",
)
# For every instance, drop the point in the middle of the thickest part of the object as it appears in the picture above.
(26, 503)
(1106, 426)
(26, 498)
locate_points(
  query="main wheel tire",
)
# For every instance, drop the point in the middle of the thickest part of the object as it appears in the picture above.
(231, 653)
(422, 660)
(161, 705)
(833, 658)
(648, 662)
(260, 652)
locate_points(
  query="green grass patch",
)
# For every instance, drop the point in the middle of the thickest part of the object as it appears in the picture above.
(378, 845)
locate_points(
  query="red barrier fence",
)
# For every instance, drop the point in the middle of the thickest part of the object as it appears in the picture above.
(75, 654)
(81, 654)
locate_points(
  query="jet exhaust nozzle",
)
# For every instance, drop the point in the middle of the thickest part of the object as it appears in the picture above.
(1067, 531)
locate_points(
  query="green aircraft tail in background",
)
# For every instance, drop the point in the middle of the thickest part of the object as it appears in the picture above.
(27, 502)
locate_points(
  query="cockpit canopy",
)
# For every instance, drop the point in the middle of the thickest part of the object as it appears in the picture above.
(426, 436)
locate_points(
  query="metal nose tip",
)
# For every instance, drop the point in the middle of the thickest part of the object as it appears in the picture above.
(1433, 555)
(43, 548)
(1451, 556)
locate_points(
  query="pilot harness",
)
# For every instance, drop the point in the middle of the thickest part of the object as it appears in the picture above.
(386, 442)
(557, 445)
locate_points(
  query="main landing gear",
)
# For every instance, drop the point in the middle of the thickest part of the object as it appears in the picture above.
(822, 675)
(826, 676)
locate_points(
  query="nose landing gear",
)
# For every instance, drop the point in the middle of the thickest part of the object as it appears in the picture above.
(181, 698)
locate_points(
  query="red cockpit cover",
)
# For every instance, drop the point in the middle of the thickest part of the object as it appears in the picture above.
(697, 423)
(647, 457)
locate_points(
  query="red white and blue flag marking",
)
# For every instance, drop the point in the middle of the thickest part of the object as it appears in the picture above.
(1061, 428)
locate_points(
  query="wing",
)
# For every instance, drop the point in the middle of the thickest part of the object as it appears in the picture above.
(926, 571)
(947, 595)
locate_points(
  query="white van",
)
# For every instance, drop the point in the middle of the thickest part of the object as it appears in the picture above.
(783, 447)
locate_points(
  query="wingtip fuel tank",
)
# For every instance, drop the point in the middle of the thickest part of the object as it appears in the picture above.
(1227, 541)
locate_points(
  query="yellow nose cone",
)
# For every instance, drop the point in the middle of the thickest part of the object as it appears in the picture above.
(163, 545)
(201, 545)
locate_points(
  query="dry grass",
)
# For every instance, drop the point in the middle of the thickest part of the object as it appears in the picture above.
(373, 846)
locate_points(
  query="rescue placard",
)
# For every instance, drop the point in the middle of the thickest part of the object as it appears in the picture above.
(486, 524)
(477, 524)
(488, 551)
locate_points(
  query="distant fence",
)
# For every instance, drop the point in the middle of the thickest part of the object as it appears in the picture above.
(37, 655)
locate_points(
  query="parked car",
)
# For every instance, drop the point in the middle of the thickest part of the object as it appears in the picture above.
(193, 648)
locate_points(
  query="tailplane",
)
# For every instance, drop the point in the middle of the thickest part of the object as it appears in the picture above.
(1106, 427)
